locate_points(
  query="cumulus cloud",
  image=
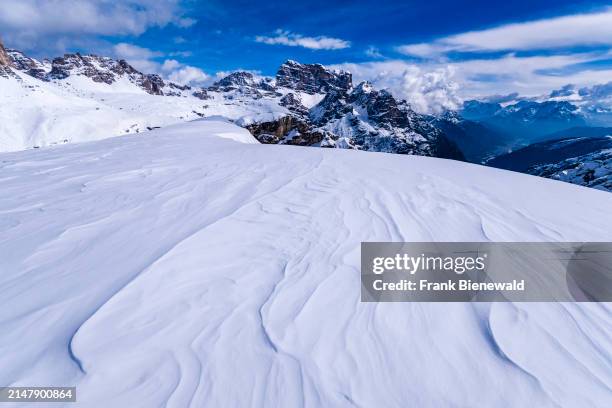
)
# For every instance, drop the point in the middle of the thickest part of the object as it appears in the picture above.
(170, 65)
(592, 29)
(427, 90)
(24, 23)
(146, 60)
(188, 75)
(290, 39)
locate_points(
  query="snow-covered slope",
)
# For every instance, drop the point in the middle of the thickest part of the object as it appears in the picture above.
(583, 160)
(79, 98)
(36, 113)
(184, 268)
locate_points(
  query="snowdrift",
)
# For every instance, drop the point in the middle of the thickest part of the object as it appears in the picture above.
(192, 267)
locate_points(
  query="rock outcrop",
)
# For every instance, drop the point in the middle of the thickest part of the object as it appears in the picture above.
(99, 69)
(312, 78)
(104, 70)
(348, 117)
(5, 62)
(245, 83)
(30, 66)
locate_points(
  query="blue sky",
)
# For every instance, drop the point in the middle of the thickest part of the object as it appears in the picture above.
(480, 46)
(225, 29)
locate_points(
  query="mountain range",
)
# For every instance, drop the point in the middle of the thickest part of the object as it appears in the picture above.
(86, 97)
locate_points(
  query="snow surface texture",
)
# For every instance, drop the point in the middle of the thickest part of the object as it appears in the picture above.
(187, 269)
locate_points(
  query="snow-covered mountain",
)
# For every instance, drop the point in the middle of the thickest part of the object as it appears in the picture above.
(585, 158)
(196, 267)
(529, 121)
(589, 170)
(81, 98)
(552, 138)
(101, 70)
(348, 116)
(303, 105)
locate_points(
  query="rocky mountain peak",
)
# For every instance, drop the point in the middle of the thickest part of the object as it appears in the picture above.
(92, 66)
(236, 79)
(245, 83)
(358, 118)
(5, 60)
(451, 117)
(104, 70)
(312, 78)
(364, 87)
(30, 66)
(476, 110)
(381, 106)
(294, 104)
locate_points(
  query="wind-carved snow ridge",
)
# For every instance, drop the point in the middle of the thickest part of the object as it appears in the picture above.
(187, 268)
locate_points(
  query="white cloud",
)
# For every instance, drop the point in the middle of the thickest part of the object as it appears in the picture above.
(526, 74)
(183, 74)
(140, 58)
(427, 90)
(125, 50)
(592, 29)
(170, 65)
(24, 23)
(297, 40)
(189, 75)
(143, 59)
(432, 86)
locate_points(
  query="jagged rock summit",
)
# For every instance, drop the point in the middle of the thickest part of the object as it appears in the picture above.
(359, 117)
(99, 69)
(312, 78)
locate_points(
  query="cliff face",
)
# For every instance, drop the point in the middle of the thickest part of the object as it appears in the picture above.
(5, 61)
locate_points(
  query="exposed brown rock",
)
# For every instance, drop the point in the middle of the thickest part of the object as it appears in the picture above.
(287, 130)
(5, 60)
